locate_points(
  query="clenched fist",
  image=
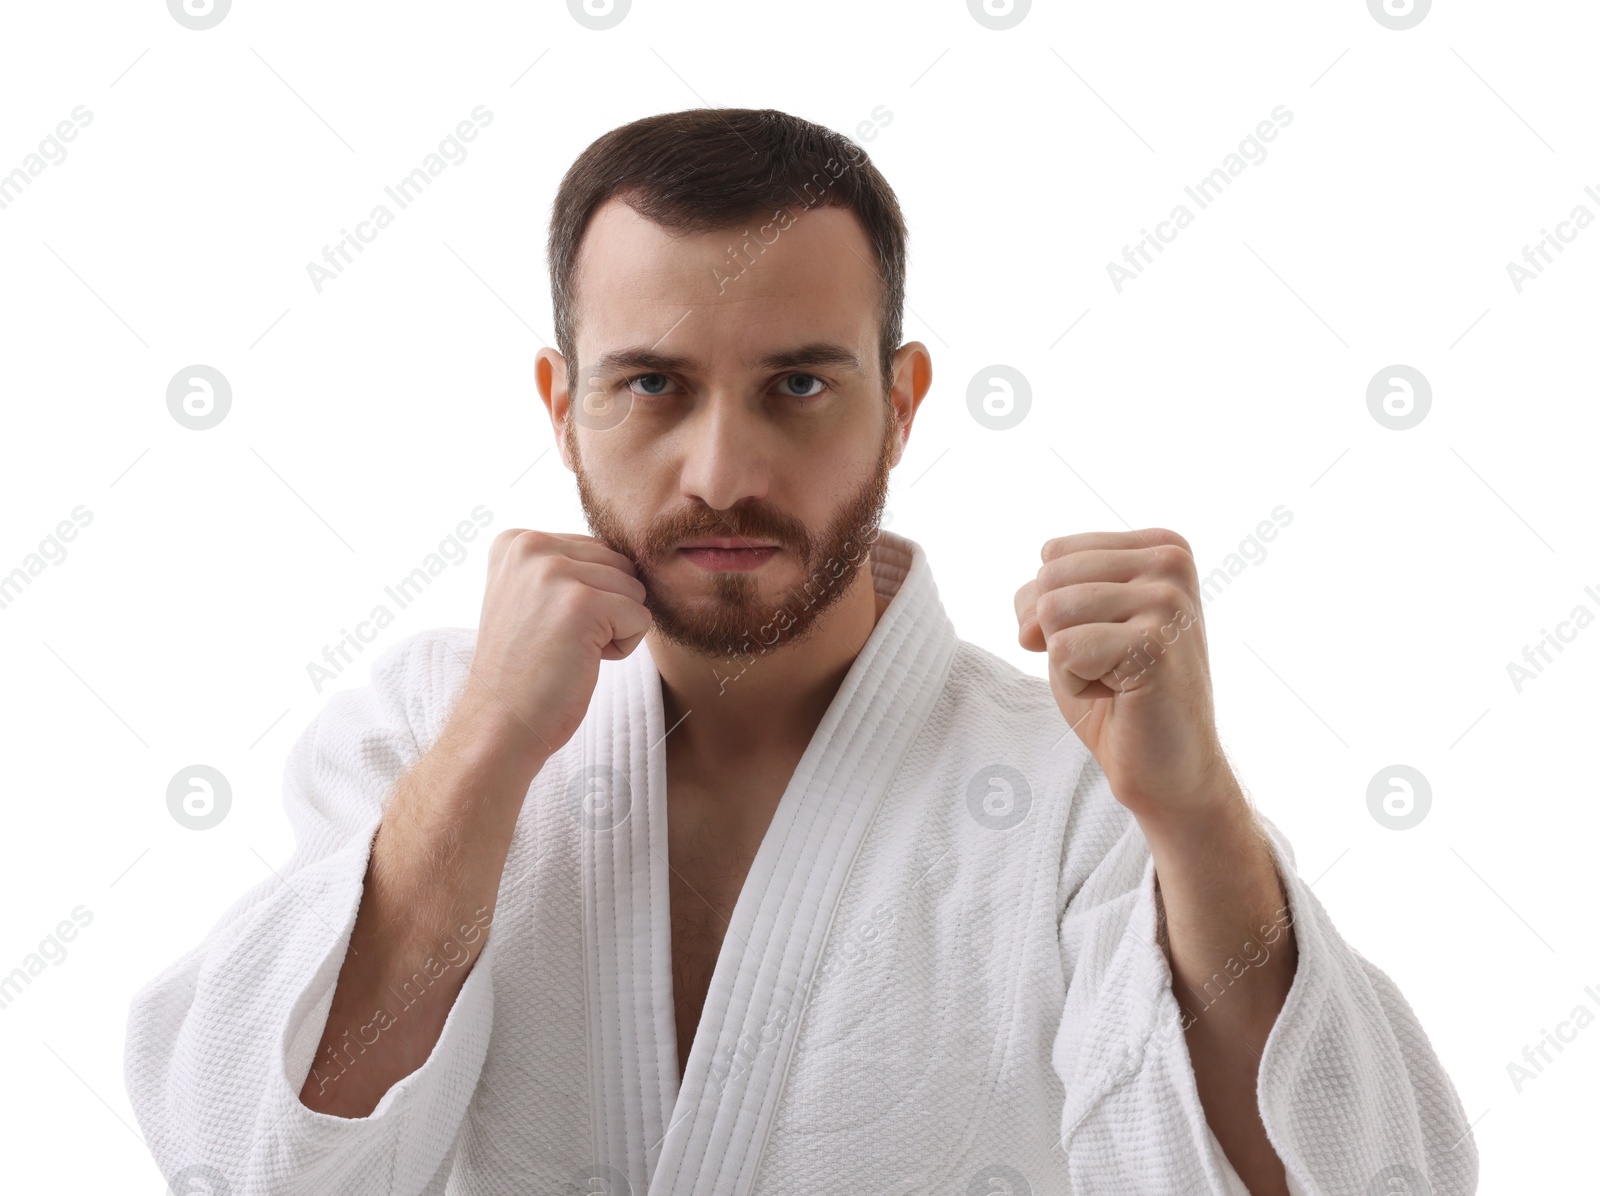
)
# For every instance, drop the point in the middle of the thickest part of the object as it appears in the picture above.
(555, 605)
(1119, 615)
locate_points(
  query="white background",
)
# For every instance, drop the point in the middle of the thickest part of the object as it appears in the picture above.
(1228, 378)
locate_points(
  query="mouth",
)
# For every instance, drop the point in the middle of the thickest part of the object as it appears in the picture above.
(727, 542)
(728, 554)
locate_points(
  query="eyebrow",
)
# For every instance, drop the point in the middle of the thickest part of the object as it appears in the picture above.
(817, 353)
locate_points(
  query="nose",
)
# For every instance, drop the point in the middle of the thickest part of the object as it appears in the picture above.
(722, 457)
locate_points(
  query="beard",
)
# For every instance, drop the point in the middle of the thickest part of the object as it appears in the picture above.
(732, 619)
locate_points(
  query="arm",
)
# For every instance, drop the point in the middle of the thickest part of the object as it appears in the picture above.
(343, 959)
(555, 606)
(428, 898)
(1222, 917)
(220, 1042)
(1348, 1088)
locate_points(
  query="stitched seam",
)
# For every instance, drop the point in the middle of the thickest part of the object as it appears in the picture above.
(927, 663)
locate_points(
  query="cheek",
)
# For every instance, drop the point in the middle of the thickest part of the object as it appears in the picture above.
(826, 476)
(623, 472)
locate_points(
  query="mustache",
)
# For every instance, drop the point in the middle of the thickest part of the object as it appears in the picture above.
(750, 522)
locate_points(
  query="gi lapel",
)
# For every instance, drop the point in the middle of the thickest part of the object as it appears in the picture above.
(619, 799)
(707, 1140)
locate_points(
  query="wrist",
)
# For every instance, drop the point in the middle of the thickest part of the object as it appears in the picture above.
(1216, 808)
(493, 737)
(496, 747)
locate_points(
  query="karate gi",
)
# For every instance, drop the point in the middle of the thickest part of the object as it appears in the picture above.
(943, 973)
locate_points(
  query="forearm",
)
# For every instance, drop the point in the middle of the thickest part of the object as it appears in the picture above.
(426, 906)
(1233, 960)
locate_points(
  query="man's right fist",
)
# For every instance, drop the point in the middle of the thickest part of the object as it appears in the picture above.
(555, 605)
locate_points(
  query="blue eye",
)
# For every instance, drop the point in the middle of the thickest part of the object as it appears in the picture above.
(647, 381)
(810, 377)
(644, 377)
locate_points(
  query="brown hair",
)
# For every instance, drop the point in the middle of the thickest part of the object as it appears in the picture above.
(706, 169)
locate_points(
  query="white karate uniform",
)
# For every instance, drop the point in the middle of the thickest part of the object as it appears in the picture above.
(942, 973)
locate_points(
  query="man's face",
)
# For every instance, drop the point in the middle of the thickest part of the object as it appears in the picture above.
(705, 410)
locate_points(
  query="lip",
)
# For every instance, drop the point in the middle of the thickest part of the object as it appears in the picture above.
(727, 542)
(730, 560)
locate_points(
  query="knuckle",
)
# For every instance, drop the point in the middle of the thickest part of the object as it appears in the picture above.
(1172, 598)
(1054, 574)
(507, 536)
(501, 542)
(554, 569)
(1059, 607)
(568, 602)
(1076, 603)
(1168, 536)
(529, 542)
(513, 545)
(1172, 558)
(1047, 609)
(1065, 643)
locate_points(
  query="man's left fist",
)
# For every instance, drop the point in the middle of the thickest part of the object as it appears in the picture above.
(1119, 615)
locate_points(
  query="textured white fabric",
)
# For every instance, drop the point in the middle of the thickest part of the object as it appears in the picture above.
(942, 974)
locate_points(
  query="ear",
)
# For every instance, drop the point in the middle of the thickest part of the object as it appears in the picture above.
(913, 376)
(550, 376)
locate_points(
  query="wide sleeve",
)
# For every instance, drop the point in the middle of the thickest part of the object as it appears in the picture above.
(220, 1043)
(1351, 1093)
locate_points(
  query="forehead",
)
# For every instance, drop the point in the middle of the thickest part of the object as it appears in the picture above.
(728, 294)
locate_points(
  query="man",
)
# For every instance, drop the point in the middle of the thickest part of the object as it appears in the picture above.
(714, 862)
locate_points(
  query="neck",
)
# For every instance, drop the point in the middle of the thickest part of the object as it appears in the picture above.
(745, 709)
